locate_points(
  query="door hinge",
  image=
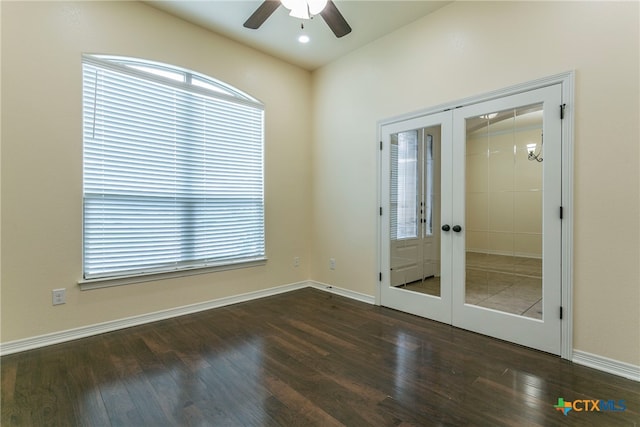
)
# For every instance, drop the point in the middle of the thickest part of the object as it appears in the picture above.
(380, 145)
(560, 312)
(380, 210)
(561, 212)
(380, 276)
(562, 106)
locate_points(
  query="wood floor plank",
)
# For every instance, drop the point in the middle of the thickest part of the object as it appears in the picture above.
(302, 358)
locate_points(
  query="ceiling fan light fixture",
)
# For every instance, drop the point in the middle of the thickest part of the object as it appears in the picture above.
(316, 6)
(304, 9)
(300, 11)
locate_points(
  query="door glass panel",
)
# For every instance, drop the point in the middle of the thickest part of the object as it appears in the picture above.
(503, 203)
(415, 210)
(404, 185)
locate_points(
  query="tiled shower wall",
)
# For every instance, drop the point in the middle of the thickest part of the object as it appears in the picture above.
(503, 193)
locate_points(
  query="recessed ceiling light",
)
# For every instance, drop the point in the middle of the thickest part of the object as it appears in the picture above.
(304, 38)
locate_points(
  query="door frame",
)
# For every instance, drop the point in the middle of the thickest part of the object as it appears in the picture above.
(567, 81)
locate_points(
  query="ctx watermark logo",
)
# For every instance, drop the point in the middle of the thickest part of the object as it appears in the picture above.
(589, 405)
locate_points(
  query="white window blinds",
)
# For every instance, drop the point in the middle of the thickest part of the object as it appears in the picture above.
(404, 185)
(173, 174)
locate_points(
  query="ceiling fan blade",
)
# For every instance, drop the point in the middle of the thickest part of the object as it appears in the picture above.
(335, 20)
(261, 14)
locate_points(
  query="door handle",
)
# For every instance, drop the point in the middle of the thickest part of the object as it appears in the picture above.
(457, 228)
(446, 227)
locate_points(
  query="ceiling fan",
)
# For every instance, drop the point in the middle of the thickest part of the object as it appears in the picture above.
(303, 9)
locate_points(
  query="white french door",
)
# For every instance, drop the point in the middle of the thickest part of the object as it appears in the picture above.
(489, 259)
(418, 279)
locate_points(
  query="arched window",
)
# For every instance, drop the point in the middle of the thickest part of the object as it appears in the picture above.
(173, 170)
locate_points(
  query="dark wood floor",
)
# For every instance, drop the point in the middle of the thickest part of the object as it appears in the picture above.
(299, 359)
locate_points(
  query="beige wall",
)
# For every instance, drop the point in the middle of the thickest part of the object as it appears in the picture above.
(469, 48)
(42, 45)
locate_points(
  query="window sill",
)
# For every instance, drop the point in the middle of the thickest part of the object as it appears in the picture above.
(106, 282)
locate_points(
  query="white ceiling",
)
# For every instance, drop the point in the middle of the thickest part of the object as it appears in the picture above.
(278, 35)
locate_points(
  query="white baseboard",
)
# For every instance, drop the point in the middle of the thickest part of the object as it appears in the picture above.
(601, 363)
(369, 299)
(11, 347)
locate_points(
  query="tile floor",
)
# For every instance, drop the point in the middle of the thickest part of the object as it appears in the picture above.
(507, 283)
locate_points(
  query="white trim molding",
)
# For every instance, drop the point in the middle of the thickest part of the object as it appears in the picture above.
(369, 299)
(611, 366)
(114, 325)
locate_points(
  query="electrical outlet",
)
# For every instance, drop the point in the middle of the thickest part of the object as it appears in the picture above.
(296, 261)
(59, 296)
(332, 263)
